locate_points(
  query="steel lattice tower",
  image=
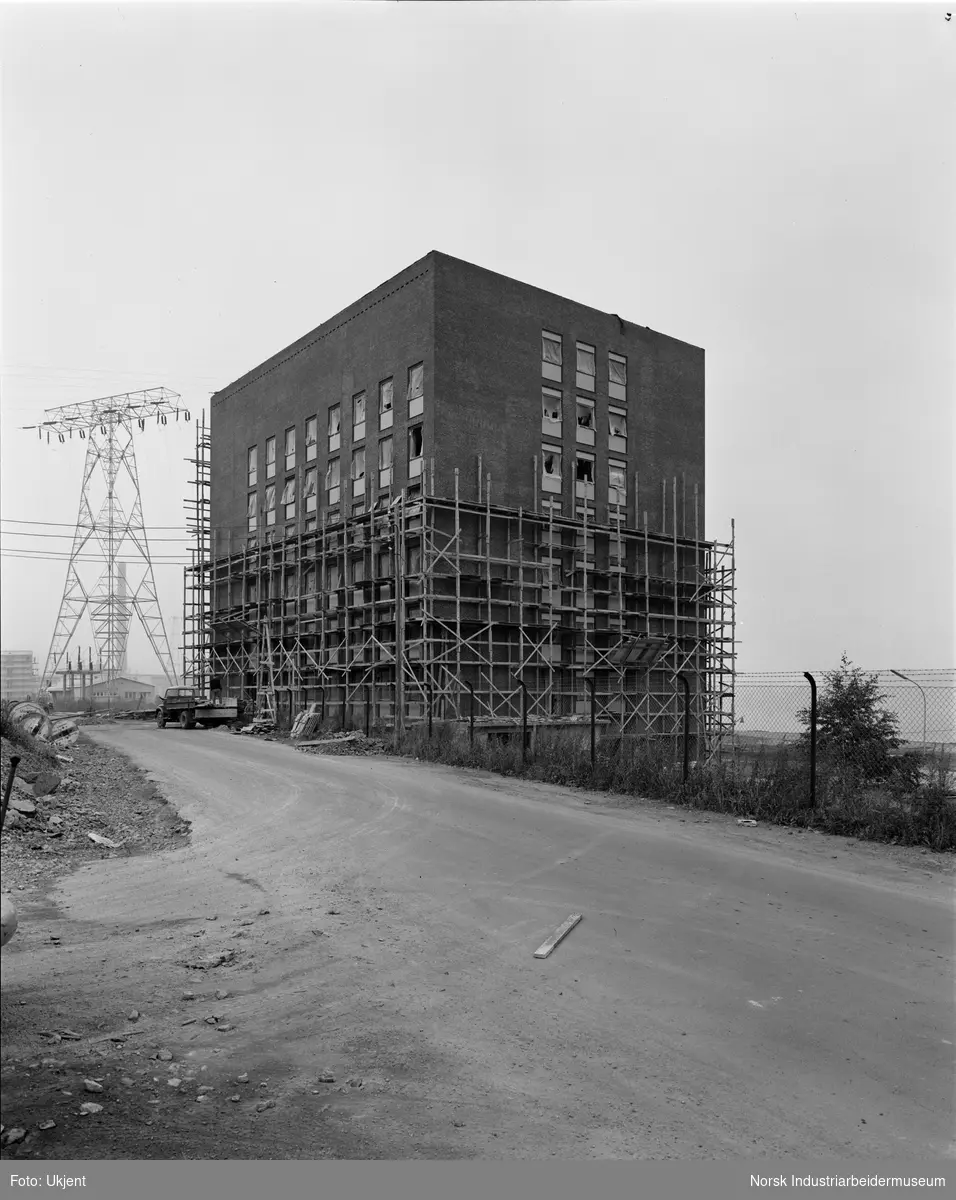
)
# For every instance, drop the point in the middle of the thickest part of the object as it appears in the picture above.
(109, 538)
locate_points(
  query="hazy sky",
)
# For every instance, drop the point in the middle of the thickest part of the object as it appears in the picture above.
(188, 189)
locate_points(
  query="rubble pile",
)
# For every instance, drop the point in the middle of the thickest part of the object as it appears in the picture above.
(344, 743)
(71, 808)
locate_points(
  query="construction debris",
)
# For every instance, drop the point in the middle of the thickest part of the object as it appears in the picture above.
(259, 725)
(307, 723)
(104, 841)
(344, 743)
(559, 935)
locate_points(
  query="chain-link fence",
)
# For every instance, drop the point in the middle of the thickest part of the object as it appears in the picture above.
(893, 727)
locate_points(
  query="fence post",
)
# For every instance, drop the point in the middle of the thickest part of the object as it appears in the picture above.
(368, 708)
(684, 680)
(524, 721)
(322, 716)
(588, 679)
(471, 717)
(813, 739)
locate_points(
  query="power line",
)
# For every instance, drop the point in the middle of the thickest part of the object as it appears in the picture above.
(71, 524)
(31, 533)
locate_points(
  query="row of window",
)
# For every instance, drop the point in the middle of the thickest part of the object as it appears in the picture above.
(415, 397)
(585, 375)
(551, 421)
(333, 481)
(551, 475)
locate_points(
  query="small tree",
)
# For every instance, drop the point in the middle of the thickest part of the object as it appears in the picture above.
(854, 731)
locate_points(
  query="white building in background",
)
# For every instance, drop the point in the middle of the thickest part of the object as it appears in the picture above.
(19, 678)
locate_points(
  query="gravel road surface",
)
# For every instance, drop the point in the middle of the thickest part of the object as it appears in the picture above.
(730, 991)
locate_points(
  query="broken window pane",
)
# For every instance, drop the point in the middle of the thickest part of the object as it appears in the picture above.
(335, 418)
(385, 395)
(270, 457)
(358, 408)
(332, 474)
(617, 369)
(615, 477)
(585, 415)
(617, 424)
(288, 492)
(311, 482)
(586, 360)
(385, 453)
(358, 464)
(415, 442)
(311, 437)
(253, 465)
(270, 497)
(551, 461)
(551, 405)
(585, 470)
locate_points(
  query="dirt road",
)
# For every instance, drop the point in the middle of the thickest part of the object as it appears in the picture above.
(730, 992)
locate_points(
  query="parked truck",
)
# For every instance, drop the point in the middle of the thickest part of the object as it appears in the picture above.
(188, 708)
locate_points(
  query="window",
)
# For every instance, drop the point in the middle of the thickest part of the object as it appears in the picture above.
(585, 417)
(617, 377)
(584, 475)
(551, 355)
(253, 465)
(271, 502)
(616, 484)
(335, 424)
(416, 390)
(288, 500)
(358, 417)
(386, 398)
(617, 429)
(290, 449)
(551, 412)
(311, 438)
(310, 490)
(333, 480)
(309, 580)
(585, 373)
(358, 472)
(252, 516)
(270, 458)
(550, 469)
(385, 462)
(415, 436)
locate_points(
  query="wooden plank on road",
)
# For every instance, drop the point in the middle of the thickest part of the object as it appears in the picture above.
(559, 935)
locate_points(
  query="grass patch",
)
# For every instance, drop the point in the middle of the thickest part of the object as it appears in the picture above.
(911, 809)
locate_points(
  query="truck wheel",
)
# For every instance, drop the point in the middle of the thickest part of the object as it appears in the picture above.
(190, 721)
(160, 718)
(184, 720)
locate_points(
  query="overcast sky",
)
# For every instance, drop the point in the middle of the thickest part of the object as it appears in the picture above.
(186, 190)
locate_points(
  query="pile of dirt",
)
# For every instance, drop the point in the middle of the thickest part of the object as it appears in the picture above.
(59, 801)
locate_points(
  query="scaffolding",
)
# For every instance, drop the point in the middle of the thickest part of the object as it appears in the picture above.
(196, 598)
(430, 606)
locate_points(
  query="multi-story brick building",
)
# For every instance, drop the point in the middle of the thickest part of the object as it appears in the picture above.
(540, 465)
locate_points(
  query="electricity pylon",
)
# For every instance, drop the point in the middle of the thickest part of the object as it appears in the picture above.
(107, 535)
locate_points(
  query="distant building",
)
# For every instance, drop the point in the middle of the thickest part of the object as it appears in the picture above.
(18, 675)
(124, 689)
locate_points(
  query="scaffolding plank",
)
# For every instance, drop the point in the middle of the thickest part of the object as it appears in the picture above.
(558, 936)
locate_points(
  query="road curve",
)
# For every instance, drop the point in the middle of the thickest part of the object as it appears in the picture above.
(730, 992)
